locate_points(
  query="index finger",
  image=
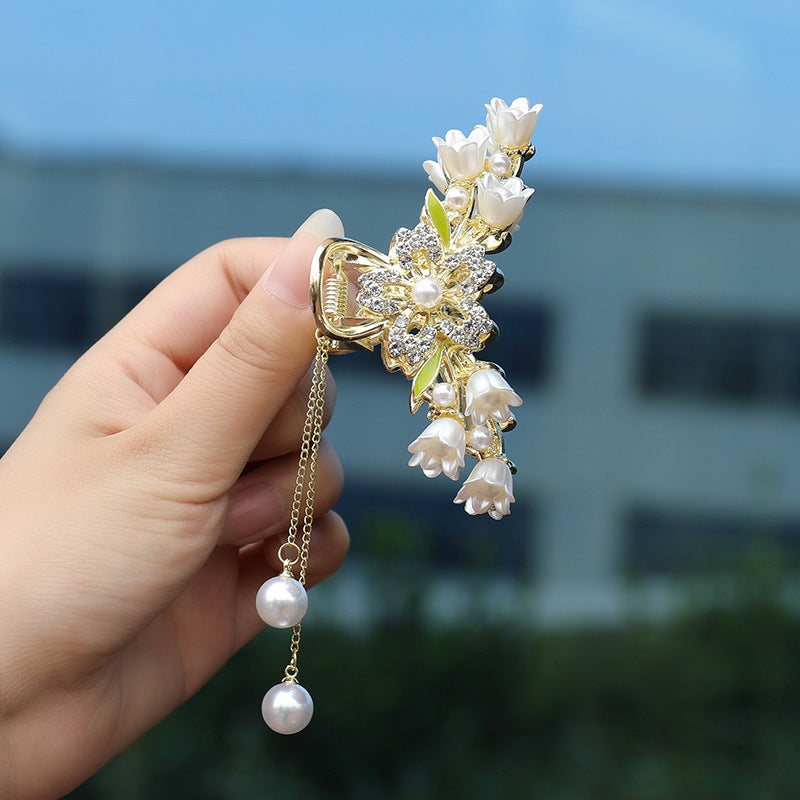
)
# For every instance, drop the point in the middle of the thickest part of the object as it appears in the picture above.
(188, 310)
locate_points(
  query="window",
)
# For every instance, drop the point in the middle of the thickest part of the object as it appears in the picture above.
(525, 344)
(424, 526)
(523, 349)
(65, 310)
(46, 310)
(135, 289)
(668, 542)
(744, 360)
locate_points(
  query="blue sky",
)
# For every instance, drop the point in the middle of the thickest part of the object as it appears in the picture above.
(694, 92)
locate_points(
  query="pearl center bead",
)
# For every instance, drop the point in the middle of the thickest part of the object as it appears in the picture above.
(426, 293)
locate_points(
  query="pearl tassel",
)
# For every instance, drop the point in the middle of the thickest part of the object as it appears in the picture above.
(282, 601)
(287, 707)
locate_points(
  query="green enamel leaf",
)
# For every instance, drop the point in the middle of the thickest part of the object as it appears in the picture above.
(428, 372)
(438, 216)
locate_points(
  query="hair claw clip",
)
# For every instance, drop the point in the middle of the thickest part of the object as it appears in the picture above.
(421, 303)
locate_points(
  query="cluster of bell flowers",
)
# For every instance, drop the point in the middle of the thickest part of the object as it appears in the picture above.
(463, 159)
(477, 174)
(442, 445)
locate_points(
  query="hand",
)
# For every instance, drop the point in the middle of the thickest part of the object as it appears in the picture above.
(141, 508)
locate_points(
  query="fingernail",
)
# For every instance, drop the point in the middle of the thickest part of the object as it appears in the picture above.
(288, 278)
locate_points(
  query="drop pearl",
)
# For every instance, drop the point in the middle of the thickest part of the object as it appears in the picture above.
(426, 293)
(480, 438)
(287, 708)
(457, 198)
(282, 601)
(500, 164)
(443, 394)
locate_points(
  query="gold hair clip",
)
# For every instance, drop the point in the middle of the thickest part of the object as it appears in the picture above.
(421, 303)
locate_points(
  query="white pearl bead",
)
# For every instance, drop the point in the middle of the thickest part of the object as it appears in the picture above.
(426, 293)
(480, 438)
(282, 601)
(287, 708)
(443, 394)
(457, 198)
(500, 164)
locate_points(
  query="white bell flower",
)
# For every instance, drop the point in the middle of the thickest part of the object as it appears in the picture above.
(440, 448)
(489, 395)
(436, 174)
(489, 488)
(501, 202)
(463, 157)
(512, 126)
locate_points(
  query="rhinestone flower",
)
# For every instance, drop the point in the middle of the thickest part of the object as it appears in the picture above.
(427, 294)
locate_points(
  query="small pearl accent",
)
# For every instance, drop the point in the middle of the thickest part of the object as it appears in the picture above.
(457, 198)
(282, 601)
(480, 438)
(443, 394)
(287, 708)
(500, 164)
(426, 293)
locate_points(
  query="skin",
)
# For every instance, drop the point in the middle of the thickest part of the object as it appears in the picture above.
(143, 506)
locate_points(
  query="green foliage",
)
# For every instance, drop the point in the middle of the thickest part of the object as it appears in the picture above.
(438, 216)
(706, 706)
(428, 372)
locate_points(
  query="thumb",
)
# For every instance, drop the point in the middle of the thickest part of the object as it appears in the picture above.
(210, 423)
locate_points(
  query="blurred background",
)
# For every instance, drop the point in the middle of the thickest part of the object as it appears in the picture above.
(631, 630)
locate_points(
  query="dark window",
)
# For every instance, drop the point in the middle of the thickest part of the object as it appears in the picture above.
(46, 310)
(742, 360)
(427, 528)
(135, 289)
(525, 344)
(668, 542)
(64, 310)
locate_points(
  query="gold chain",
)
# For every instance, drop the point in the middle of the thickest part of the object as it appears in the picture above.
(303, 501)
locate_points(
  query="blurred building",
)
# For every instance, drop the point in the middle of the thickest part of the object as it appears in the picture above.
(655, 337)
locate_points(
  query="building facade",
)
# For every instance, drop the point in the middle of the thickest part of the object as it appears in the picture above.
(654, 335)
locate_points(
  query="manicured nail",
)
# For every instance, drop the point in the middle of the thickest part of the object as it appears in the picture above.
(288, 278)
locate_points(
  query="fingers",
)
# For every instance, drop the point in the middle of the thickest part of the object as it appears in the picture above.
(285, 432)
(238, 385)
(186, 312)
(261, 501)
